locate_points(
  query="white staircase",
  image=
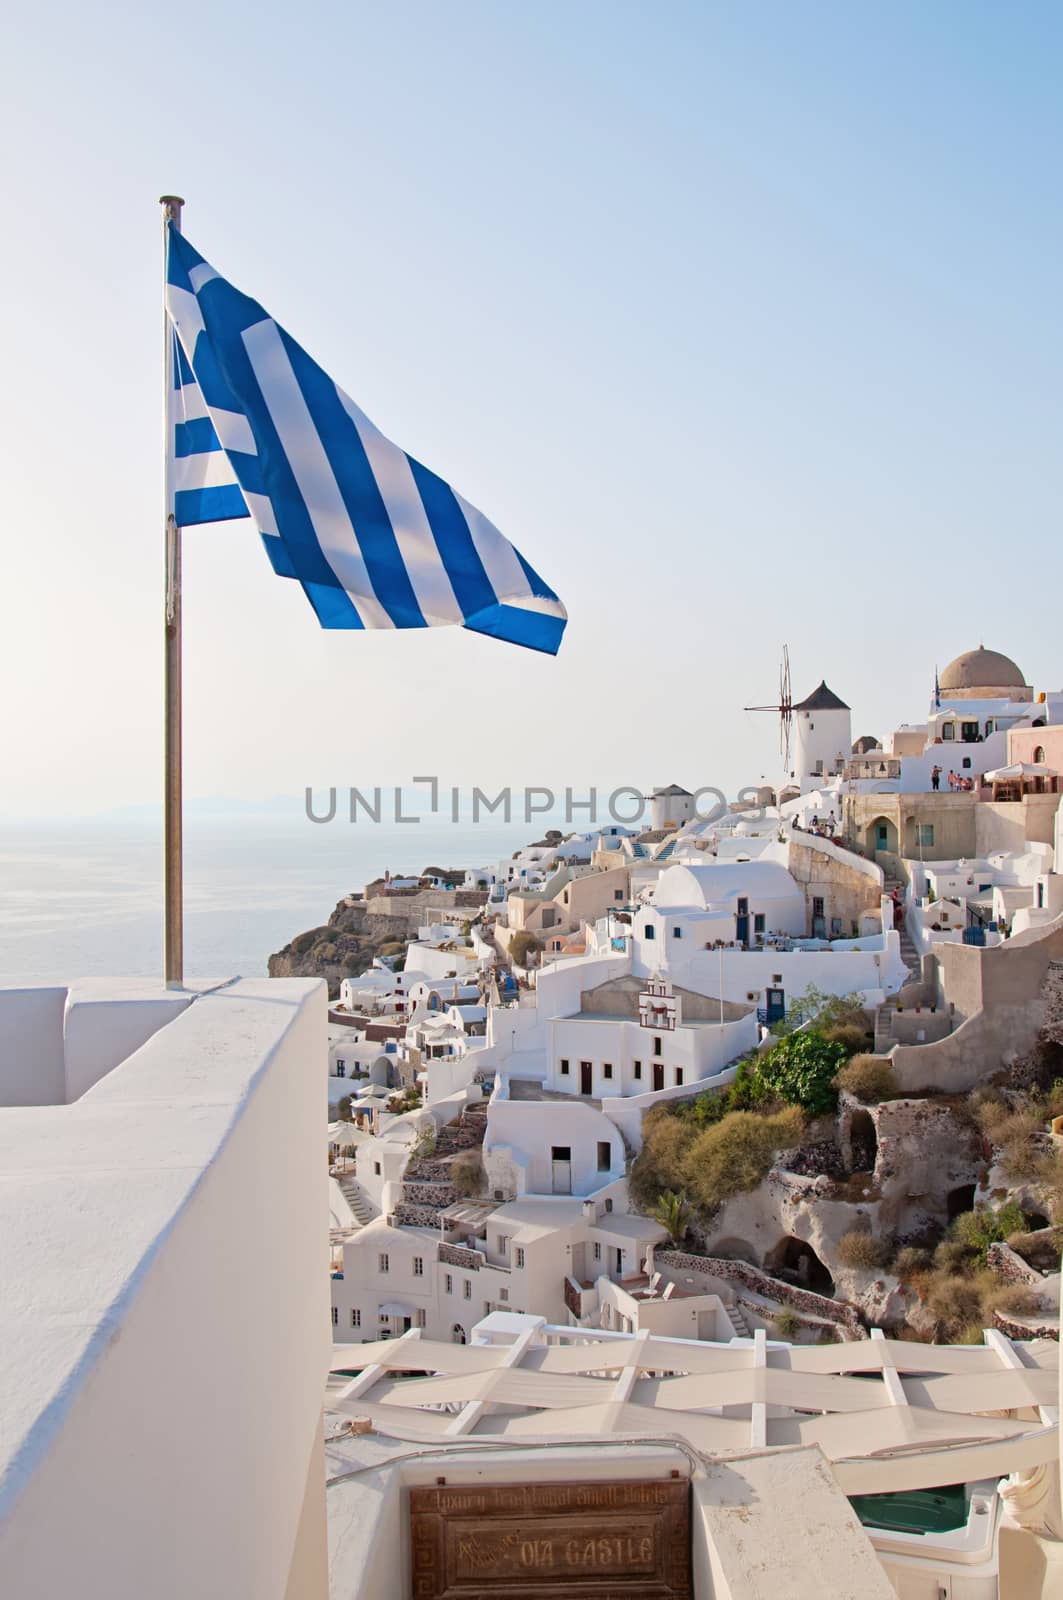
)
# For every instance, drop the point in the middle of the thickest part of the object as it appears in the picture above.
(356, 1198)
(738, 1321)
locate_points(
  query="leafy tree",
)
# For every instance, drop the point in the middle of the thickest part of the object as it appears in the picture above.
(801, 1070)
(344, 1110)
(673, 1213)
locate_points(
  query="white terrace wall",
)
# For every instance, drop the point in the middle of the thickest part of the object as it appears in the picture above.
(148, 1442)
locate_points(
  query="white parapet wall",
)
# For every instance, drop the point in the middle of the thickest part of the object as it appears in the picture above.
(165, 1317)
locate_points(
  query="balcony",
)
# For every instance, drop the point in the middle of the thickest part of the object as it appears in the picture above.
(458, 1255)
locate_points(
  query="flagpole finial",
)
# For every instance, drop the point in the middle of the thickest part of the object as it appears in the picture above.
(172, 205)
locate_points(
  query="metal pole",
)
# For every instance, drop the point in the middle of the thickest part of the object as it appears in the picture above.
(173, 892)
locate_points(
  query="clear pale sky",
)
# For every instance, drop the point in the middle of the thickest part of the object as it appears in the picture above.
(741, 321)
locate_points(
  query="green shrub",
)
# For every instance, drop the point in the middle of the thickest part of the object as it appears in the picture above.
(801, 1070)
(862, 1251)
(870, 1078)
(786, 1324)
(977, 1230)
(735, 1155)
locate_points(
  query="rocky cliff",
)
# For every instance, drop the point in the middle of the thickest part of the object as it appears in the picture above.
(346, 945)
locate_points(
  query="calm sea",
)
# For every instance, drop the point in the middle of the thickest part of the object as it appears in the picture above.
(84, 898)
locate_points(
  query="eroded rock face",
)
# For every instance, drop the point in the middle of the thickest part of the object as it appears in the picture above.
(905, 1166)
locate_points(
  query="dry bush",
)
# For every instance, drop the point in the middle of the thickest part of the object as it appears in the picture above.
(952, 1255)
(870, 1078)
(735, 1155)
(1022, 1300)
(955, 1303)
(467, 1174)
(911, 1262)
(862, 1251)
(851, 1035)
(1041, 1249)
(666, 1141)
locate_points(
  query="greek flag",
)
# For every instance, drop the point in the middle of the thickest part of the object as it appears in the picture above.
(375, 539)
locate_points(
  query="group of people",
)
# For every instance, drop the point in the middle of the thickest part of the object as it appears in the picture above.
(822, 827)
(957, 783)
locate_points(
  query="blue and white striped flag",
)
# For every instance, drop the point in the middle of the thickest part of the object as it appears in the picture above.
(375, 539)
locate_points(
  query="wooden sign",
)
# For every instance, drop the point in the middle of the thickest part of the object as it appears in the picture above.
(554, 1541)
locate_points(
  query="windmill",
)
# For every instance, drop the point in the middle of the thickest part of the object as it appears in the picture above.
(784, 710)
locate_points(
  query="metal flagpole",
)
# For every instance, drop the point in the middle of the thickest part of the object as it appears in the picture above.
(173, 893)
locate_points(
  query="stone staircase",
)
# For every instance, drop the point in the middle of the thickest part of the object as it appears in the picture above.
(356, 1198)
(426, 1186)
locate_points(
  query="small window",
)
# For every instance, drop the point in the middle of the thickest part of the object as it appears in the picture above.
(817, 905)
(743, 906)
(677, 933)
(966, 762)
(608, 1205)
(597, 1252)
(449, 1283)
(418, 1266)
(466, 1289)
(564, 1067)
(948, 730)
(604, 1155)
(421, 1317)
(382, 1263)
(679, 1077)
(636, 1069)
(341, 1070)
(607, 1069)
(618, 894)
(656, 1046)
(924, 833)
(1039, 754)
(650, 931)
(503, 1294)
(376, 1168)
(759, 924)
(503, 1243)
(356, 1318)
(561, 1152)
(335, 1316)
(520, 1255)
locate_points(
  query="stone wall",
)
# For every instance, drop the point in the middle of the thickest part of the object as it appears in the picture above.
(1009, 1265)
(847, 890)
(744, 1276)
(1007, 995)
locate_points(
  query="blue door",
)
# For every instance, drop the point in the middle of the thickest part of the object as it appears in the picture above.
(776, 1006)
(742, 930)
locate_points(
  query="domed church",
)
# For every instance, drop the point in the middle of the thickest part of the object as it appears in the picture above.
(983, 675)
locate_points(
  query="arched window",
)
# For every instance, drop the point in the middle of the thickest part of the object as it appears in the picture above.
(1039, 753)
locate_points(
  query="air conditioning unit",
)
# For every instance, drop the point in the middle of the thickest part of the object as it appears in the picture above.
(752, 994)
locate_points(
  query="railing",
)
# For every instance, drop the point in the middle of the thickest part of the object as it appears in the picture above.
(885, 767)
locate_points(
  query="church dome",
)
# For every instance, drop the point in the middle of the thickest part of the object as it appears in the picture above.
(984, 674)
